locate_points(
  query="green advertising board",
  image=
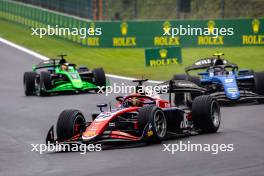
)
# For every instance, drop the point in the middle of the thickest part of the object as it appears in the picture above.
(143, 34)
(162, 56)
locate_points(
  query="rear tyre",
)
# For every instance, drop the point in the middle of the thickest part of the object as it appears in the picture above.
(29, 83)
(179, 97)
(152, 124)
(69, 124)
(259, 84)
(206, 114)
(99, 76)
(44, 83)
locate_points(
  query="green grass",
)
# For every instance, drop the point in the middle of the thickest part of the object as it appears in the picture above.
(125, 62)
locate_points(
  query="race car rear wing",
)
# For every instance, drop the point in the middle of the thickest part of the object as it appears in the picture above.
(50, 63)
(209, 62)
(173, 86)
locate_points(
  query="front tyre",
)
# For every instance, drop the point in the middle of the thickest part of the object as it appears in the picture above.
(44, 83)
(206, 114)
(70, 123)
(152, 124)
(259, 84)
(29, 83)
(99, 77)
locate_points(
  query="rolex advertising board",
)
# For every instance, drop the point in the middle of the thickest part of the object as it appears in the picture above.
(195, 33)
(163, 56)
(154, 33)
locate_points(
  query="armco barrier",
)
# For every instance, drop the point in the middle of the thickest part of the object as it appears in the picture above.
(116, 34)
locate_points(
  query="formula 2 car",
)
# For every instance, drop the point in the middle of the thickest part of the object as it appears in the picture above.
(140, 118)
(56, 76)
(224, 81)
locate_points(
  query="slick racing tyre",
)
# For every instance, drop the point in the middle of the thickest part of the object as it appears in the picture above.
(179, 97)
(152, 124)
(259, 84)
(99, 77)
(44, 83)
(206, 114)
(69, 124)
(29, 83)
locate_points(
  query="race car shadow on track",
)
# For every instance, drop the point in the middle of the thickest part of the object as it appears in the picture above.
(131, 145)
(70, 93)
(233, 104)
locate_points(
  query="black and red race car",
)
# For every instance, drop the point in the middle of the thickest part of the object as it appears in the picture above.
(140, 118)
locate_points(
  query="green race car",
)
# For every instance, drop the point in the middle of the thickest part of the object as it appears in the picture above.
(57, 76)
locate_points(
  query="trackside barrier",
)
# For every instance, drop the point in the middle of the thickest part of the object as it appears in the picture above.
(133, 34)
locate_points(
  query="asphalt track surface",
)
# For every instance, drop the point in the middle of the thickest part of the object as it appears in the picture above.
(25, 121)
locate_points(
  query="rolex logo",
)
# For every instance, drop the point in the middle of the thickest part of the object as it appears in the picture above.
(255, 25)
(166, 26)
(124, 28)
(163, 53)
(92, 26)
(211, 26)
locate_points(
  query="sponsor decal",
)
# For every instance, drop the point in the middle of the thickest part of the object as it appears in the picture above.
(232, 90)
(207, 40)
(211, 26)
(124, 41)
(150, 133)
(230, 80)
(103, 116)
(203, 62)
(93, 41)
(256, 38)
(185, 85)
(166, 40)
(164, 56)
(215, 39)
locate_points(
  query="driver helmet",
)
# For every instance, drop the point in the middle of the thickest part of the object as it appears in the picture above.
(218, 62)
(220, 69)
(64, 66)
(135, 101)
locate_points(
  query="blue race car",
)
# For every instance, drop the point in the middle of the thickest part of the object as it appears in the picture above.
(224, 81)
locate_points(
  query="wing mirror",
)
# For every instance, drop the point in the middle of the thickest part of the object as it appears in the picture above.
(100, 106)
(34, 67)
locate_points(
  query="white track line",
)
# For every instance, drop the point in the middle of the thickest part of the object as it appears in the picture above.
(21, 48)
(39, 56)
